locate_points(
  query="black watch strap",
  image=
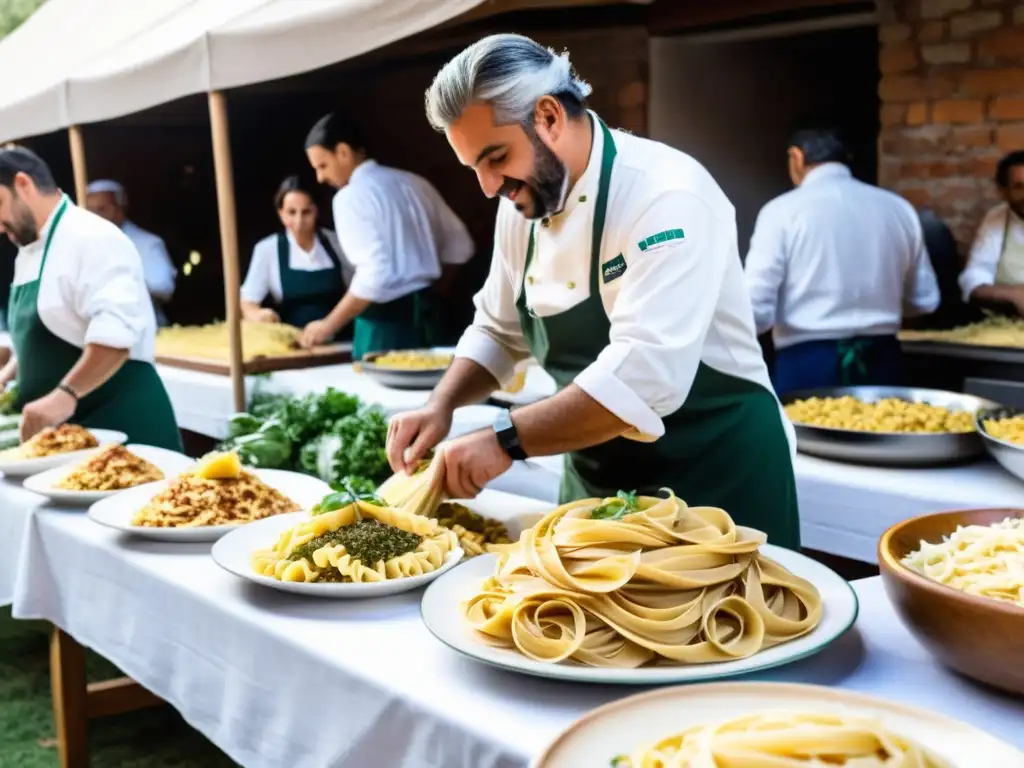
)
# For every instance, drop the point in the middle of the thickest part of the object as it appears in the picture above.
(508, 438)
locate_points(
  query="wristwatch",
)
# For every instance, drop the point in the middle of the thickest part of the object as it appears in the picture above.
(508, 438)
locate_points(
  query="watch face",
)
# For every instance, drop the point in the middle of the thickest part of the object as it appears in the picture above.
(503, 421)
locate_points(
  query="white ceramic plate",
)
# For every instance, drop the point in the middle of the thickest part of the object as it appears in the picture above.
(117, 511)
(628, 724)
(171, 463)
(26, 467)
(233, 553)
(441, 614)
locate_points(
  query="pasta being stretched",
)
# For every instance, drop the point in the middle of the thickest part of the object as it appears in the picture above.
(633, 581)
(360, 542)
(784, 740)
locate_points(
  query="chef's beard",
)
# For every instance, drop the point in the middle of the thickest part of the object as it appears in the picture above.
(22, 230)
(547, 185)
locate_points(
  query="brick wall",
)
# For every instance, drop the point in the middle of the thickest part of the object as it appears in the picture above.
(952, 92)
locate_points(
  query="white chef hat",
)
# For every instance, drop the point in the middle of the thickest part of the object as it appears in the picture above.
(109, 185)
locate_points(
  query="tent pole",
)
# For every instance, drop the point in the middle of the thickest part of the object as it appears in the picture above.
(78, 163)
(228, 240)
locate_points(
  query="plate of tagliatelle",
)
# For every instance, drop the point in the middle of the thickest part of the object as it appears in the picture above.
(55, 447)
(362, 549)
(214, 496)
(408, 368)
(637, 591)
(107, 471)
(770, 724)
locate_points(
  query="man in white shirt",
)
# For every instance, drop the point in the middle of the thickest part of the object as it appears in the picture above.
(995, 270)
(834, 265)
(397, 232)
(107, 198)
(82, 330)
(615, 266)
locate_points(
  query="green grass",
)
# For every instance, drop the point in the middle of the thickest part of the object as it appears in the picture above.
(144, 739)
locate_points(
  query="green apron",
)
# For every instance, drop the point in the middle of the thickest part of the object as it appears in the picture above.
(132, 401)
(408, 322)
(725, 447)
(308, 295)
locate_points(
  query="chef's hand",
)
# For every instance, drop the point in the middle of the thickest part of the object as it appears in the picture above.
(267, 316)
(316, 333)
(48, 411)
(413, 434)
(470, 462)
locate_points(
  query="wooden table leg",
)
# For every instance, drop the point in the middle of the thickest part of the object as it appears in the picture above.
(67, 683)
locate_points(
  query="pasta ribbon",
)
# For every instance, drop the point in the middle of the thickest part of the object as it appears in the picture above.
(664, 583)
(784, 740)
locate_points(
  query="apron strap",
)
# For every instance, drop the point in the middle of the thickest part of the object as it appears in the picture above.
(283, 253)
(64, 203)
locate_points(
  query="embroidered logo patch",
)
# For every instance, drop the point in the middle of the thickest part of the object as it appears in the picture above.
(613, 269)
(654, 242)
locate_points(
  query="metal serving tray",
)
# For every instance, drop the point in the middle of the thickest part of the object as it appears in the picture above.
(427, 378)
(891, 449)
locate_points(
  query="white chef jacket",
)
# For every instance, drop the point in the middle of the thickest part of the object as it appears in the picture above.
(397, 231)
(676, 303)
(836, 258)
(264, 275)
(988, 248)
(157, 267)
(92, 290)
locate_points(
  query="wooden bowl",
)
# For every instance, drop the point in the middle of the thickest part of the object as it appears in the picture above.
(978, 637)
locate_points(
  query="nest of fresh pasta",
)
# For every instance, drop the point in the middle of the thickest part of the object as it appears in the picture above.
(361, 542)
(634, 581)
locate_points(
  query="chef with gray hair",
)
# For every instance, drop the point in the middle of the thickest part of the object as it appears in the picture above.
(616, 266)
(107, 198)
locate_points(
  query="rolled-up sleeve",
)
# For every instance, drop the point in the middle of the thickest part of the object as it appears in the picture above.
(495, 339)
(921, 293)
(109, 293)
(985, 252)
(765, 267)
(661, 314)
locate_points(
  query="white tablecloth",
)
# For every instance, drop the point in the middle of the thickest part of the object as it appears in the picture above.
(16, 505)
(845, 508)
(277, 680)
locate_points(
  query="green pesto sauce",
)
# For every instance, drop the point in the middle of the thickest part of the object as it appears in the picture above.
(369, 541)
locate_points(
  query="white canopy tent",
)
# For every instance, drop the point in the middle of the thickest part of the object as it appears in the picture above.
(82, 61)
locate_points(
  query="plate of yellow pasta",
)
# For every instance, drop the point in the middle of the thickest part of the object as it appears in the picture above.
(361, 549)
(107, 471)
(770, 724)
(639, 590)
(1002, 430)
(408, 368)
(55, 447)
(888, 426)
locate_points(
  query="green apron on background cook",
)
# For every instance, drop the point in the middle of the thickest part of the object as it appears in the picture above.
(309, 295)
(725, 447)
(132, 401)
(408, 322)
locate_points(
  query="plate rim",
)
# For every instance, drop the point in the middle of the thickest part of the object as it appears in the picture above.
(696, 689)
(449, 564)
(18, 468)
(612, 679)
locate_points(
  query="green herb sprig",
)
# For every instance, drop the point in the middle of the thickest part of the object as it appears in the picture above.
(625, 503)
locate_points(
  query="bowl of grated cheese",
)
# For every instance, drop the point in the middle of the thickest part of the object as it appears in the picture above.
(956, 580)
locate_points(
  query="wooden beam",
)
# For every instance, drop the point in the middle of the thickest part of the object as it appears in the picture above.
(67, 686)
(113, 697)
(78, 163)
(668, 16)
(228, 240)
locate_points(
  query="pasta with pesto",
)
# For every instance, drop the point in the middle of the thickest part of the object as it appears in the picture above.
(982, 560)
(633, 581)
(361, 542)
(784, 740)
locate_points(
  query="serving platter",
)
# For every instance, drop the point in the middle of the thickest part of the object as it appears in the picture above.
(630, 723)
(895, 449)
(1009, 455)
(424, 378)
(118, 511)
(442, 615)
(169, 462)
(19, 467)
